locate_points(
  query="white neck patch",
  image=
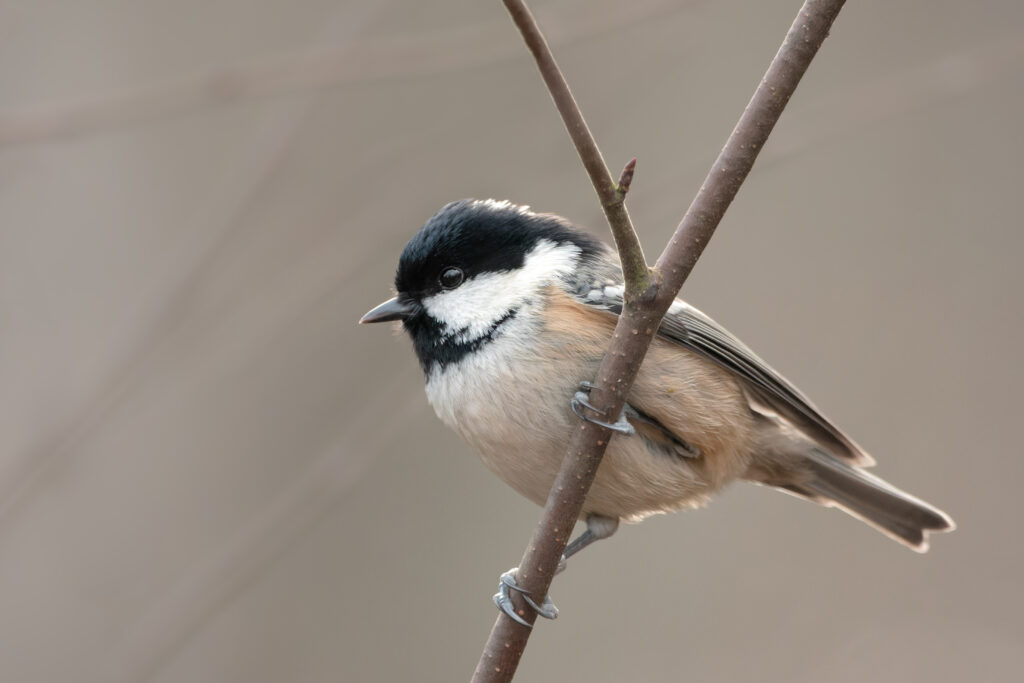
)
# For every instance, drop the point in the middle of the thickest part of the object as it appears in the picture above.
(469, 311)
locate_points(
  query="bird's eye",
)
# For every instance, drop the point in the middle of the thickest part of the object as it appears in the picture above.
(451, 278)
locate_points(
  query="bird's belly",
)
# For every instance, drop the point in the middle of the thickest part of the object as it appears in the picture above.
(517, 417)
(514, 417)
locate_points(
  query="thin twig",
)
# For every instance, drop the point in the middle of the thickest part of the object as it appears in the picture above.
(634, 266)
(626, 178)
(641, 316)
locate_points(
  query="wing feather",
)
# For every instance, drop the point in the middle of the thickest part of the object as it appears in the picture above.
(768, 391)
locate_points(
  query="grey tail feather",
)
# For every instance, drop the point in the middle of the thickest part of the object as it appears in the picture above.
(870, 499)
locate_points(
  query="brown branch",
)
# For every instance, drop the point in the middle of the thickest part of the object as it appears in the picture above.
(642, 315)
(736, 159)
(634, 266)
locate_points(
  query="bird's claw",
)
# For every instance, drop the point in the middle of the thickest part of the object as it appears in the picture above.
(581, 398)
(503, 600)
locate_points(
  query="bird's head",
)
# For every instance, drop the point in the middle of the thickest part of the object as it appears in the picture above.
(477, 268)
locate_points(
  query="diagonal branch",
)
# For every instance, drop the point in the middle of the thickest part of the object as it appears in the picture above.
(734, 162)
(611, 194)
(508, 639)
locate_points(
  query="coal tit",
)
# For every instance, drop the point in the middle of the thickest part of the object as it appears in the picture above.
(509, 311)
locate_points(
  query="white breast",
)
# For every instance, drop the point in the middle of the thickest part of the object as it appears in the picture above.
(460, 393)
(469, 395)
(503, 402)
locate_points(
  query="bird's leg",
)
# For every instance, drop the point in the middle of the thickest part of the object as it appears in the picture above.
(581, 400)
(598, 527)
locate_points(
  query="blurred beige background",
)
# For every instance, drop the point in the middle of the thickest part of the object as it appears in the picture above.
(208, 472)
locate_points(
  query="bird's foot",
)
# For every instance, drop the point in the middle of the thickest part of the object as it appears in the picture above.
(503, 600)
(581, 400)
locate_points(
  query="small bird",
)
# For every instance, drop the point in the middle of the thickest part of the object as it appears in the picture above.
(510, 313)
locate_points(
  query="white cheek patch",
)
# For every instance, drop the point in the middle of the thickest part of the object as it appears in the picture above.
(469, 311)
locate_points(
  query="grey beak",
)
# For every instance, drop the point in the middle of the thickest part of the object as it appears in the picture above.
(392, 309)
